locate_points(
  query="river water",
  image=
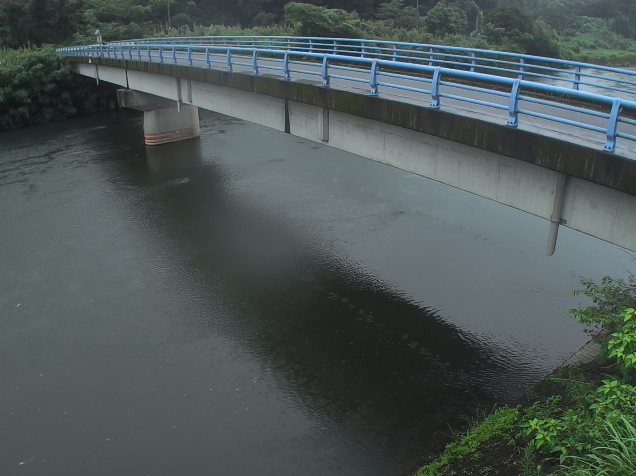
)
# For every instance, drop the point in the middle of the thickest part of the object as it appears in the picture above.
(251, 303)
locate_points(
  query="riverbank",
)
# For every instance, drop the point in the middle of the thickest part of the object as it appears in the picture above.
(38, 87)
(580, 420)
(607, 57)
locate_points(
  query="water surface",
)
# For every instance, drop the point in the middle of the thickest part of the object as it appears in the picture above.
(251, 303)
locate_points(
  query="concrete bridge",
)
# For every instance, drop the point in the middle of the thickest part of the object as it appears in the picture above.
(553, 138)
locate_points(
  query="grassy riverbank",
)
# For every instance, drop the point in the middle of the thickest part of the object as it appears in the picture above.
(579, 421)
(37, 86)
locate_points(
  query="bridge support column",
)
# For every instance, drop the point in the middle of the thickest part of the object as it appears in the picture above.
(165, 121)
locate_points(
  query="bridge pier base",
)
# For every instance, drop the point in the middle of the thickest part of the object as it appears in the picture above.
(165, 121)
(162, 126)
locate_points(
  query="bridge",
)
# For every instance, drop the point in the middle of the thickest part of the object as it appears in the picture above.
(553, 138)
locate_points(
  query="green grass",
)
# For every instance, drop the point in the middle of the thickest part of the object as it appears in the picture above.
(480, 442)
(607, 57)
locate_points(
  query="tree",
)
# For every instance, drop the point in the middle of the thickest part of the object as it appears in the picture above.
(443, 20)
(511, 28)
(397, 14)
(15, 24)
(471, 9)
(310, 20)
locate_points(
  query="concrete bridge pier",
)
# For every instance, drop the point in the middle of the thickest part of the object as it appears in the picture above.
(165, 121)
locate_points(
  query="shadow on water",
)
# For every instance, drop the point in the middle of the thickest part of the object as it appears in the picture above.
(352, 347)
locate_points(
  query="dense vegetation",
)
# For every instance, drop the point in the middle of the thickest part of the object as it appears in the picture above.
(600, 30)
(36, 86)
(580, 422)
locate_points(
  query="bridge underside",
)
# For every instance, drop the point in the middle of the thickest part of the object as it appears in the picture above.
(584, 189)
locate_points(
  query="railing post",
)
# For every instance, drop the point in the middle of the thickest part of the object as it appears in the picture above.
(160, 54)
(472, 62)
(373, 78)
(577, 78)
(207, 58)
(139, 52)
(174, 54)
(430, 56)
(130, 52)
(335, 47)
(149, 55)
(612, 126)
(255, 63)
(190, 56)
(286, 73)
(311, 46)
(229, 60)
(101, 51)
(513, 104)
(435, 104)
(325, 72)
(522, 62)
(394, 58)
(363, 52)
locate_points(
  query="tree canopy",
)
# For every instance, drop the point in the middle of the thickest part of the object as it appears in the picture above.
(542, 27)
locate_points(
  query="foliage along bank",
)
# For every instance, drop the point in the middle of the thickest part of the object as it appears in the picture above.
(37, 86)
(596, 30)
(578, 422)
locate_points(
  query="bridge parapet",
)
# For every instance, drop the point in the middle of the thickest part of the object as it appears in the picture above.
(568, 74)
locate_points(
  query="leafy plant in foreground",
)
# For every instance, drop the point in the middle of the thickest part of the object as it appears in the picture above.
(613, 454)
(609, 299)
(622, 344)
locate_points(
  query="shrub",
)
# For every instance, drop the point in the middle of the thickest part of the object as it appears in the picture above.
(609, 299)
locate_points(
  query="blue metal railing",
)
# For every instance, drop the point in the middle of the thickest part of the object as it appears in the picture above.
(431, 73)
(570, 74)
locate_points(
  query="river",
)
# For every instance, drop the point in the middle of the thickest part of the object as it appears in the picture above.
(251, 303)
